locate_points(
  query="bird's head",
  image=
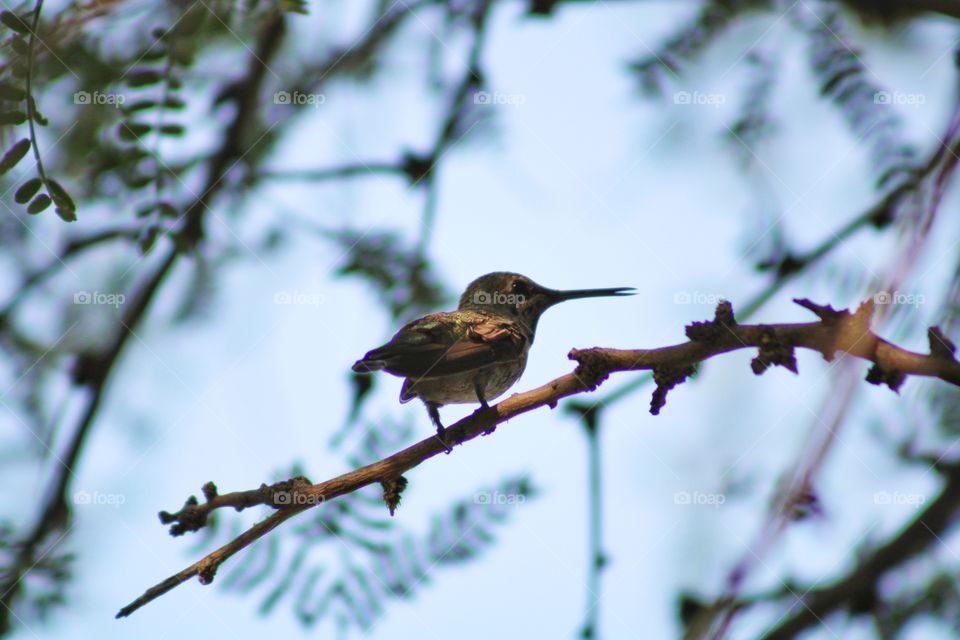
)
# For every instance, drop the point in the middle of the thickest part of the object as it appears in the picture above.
(519, 298)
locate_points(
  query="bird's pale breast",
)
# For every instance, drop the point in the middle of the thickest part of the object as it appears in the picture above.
(460, 388)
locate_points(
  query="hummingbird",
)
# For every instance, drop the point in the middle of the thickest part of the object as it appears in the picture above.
(473, 354)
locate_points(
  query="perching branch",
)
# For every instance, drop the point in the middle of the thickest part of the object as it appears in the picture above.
(836, 331)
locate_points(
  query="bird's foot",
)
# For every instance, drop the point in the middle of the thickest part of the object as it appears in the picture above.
(485, 407)
(434, 410)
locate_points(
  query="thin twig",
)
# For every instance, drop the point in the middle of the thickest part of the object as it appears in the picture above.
(595, 557)
(333, 173)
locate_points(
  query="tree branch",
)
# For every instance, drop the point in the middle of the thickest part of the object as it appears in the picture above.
(949, 8)
(361, 169)
(836, 331)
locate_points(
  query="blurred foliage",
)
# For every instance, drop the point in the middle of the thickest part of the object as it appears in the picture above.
(867, 108)
(688, 43)
(46, 585)
(937, 598)
(400, 275)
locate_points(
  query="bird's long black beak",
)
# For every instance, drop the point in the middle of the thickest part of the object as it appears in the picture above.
(556, 297)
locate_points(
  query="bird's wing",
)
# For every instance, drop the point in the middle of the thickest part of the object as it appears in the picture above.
(445, 344)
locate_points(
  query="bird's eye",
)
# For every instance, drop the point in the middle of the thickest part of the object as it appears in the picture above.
(520, 287)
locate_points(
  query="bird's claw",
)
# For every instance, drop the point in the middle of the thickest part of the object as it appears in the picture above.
(485, 407)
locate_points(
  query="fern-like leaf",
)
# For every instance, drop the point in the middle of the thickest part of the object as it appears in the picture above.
(690, 41)
(866, 107)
